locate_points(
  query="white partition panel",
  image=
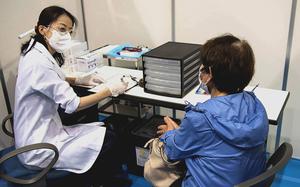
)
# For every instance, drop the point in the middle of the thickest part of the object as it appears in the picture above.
(139, 22)
(264, 24)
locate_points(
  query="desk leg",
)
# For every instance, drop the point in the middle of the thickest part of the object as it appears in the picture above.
(174, 113)
(157, 110)
(109, 61)
(278, 132)
(114, 105)
(139, 110)
(136, 65)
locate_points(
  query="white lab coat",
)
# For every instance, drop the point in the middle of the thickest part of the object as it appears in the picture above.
(40, 89)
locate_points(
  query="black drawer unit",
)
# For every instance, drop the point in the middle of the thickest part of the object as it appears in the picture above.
(171, 69)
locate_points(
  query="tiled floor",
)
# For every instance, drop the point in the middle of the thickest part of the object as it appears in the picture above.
(138, 181)
(288, 177)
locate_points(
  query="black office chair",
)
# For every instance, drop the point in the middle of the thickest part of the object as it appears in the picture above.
(7, 102)
(8, 117)
(13, 173)
(275, 163)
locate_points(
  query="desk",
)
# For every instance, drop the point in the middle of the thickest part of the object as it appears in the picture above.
(274, 101)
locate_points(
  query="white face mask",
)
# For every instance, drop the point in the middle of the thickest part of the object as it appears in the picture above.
(203, 89)
(59, 42)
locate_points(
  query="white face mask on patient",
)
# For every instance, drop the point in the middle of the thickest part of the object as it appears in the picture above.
(59, 41)
(203, 89)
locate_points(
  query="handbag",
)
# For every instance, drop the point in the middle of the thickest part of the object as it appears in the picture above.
(158, 170)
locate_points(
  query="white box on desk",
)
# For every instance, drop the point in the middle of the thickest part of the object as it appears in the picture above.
(90, 61)
(86, 64)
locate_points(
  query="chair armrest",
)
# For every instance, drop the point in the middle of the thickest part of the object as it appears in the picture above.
(5, 130)
(25, 149)
(278, 160)
(257, 179)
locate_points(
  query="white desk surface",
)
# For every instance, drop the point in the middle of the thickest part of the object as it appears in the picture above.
(273, 100)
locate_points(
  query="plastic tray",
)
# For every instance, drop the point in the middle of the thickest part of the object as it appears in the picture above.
(163, 75)
(163, 62)
(163, 82)
(170, 69)
(163, 89)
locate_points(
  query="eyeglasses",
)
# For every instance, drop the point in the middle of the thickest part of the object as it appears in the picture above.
(62, 29)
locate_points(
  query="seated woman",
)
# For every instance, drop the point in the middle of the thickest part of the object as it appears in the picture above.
(88, 151)
(222, 140)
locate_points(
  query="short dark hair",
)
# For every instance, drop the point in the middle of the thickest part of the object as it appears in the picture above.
(231, 61)
(47, 16)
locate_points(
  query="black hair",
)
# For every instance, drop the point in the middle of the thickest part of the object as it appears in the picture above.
(231, 61)
(47, 16)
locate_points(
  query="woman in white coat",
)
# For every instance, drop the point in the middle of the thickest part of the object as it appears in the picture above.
(41, 87)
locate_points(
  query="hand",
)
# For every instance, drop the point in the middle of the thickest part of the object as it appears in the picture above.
(89, 80)
(170, 125)
(161, 129)
(116, 88)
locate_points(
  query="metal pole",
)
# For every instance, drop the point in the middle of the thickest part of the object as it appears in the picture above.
(173, 20)
(84, 22)
(286, 65)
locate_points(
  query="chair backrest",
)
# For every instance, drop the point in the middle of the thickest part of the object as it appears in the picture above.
(275, 163)
(4, 89)
(9, 117)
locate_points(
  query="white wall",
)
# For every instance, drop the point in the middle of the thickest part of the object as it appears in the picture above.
(139, 22)
(264, 24)
(16, 17)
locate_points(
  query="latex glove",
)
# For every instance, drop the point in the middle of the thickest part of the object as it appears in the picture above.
(89, 80)
(116, 88)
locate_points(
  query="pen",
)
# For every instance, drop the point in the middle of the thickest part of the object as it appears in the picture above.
(255, 87)
(131, 87)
